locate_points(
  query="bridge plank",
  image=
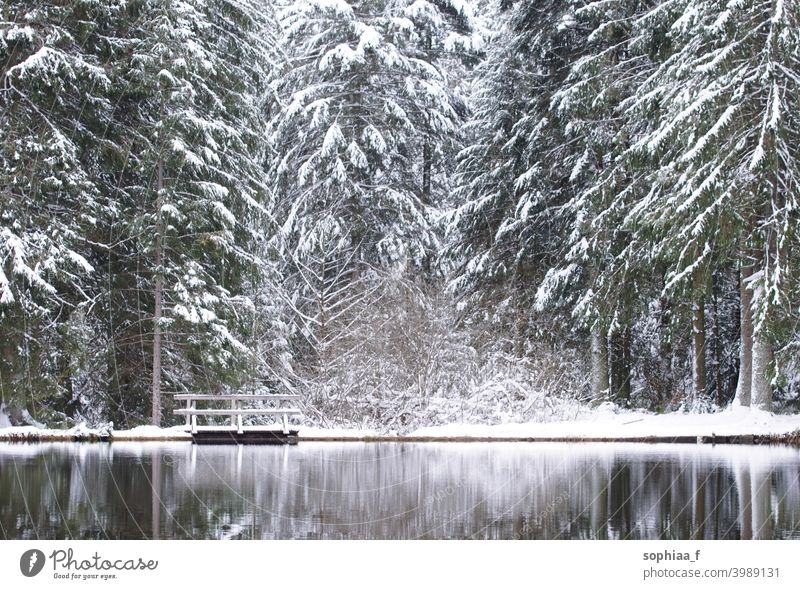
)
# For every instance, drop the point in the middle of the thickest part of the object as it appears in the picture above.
(234, 397)
(201, 412)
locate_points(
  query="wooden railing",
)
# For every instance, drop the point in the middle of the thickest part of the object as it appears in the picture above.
(240, 406)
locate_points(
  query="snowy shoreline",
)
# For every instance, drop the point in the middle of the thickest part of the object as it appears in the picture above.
(737, 425)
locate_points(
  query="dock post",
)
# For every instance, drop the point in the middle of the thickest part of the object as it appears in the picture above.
(285, 424)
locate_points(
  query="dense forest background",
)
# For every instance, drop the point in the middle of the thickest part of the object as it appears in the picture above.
(410, 212)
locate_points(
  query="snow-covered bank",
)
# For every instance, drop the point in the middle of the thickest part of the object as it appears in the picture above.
(605, 423)
(602, 423)
(81, 432)
(146, 433)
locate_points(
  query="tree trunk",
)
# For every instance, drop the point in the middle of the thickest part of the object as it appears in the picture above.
(158, 296)
(665, 380)
(761, 387)
(67, 403)
(698, 348)
(620, 356)
(761, 383)
(520, 332)
(627, 363)
(717, 361)
(599, 363)
(743, 386)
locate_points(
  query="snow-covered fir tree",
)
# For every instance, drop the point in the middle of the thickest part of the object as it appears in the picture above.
(513, 176)
(723, 150)
(358, 105)
(55, 95)
(198, 77)
(367, 113)
(601, 273)
(136, 149)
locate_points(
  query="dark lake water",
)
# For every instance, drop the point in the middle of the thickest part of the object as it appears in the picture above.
(398, 491)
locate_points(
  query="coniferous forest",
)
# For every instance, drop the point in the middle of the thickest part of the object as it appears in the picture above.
(411, 212)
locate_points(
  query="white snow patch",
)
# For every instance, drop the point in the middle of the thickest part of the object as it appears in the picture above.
(152, 432)
(603, 423)
(33, 432)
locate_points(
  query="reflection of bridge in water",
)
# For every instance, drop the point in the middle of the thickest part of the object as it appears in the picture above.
(389, 490)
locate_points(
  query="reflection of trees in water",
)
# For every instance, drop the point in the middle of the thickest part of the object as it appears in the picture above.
(398, 491)
(699, 482)
(71, 491)
(155, 498)
(756, 484)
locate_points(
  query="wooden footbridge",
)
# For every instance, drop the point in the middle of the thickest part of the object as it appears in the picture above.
(238, 407)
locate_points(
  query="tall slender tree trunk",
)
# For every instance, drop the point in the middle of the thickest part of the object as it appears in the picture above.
(665, 381)
(699, 334)
(626, 388)
(158, 297)
(744, 384)
(698, 347)
(619, 362)
(761, 387)
(599, 362)
(67, 402)
(717, 360)
(620, 351)
(625, 353)
(761, 383)
(521, 326)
